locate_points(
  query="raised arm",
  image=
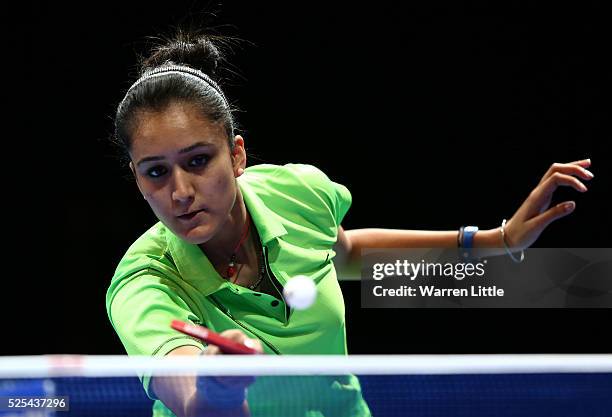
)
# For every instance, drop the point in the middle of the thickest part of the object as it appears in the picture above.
(525, 226)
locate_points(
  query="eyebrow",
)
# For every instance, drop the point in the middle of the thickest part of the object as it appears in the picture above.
(184, 150)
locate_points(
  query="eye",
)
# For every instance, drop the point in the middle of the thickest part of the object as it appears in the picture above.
(156, 172)
(198, 161)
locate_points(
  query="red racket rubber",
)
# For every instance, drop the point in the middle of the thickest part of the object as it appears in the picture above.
(200, 332)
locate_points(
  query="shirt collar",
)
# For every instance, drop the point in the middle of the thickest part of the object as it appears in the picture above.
(267, 222)
(193, 266)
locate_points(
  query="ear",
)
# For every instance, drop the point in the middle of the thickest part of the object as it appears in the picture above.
(238, 156)
(133, 169)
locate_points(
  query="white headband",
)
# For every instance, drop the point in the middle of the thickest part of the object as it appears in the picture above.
(181, 70)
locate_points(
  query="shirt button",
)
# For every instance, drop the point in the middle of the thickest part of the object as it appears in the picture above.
(274, 303)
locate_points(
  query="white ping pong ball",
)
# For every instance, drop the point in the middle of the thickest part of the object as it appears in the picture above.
(300, 292)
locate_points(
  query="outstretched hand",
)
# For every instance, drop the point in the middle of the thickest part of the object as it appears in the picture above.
(535, 214)
(239, 337)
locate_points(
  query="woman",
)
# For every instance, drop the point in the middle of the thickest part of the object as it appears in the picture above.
(230, 237)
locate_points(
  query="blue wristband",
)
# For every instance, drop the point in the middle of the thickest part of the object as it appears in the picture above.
(468, 236)
(467, 240)
(218, 395)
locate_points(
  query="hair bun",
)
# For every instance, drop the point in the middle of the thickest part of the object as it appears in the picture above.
(198, 51)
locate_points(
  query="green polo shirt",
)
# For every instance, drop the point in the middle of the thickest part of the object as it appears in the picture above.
(297, 210)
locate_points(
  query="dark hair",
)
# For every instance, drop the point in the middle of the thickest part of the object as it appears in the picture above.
(196, 51)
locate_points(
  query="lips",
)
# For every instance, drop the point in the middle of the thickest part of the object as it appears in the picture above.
(190, 215)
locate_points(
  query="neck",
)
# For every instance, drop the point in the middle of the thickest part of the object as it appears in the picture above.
(221, 247)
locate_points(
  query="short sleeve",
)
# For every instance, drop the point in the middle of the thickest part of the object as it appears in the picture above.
(141, 309)
(337, 196)
(343, 201)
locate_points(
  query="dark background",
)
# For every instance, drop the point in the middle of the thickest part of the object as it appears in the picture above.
(433, 116)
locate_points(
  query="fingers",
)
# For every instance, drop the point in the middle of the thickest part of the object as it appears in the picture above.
(534, 214)
(237, 336)
(585, 163)
(545, 189)
(554, 213)
(576, 168)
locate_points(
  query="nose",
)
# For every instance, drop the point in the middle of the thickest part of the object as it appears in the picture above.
(183, 190)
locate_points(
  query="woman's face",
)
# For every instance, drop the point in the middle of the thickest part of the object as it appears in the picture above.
(185, 171)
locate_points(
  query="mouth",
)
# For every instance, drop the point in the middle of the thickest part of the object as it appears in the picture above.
(190, 215)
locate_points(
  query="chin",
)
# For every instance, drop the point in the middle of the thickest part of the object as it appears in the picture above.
(196, 235)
